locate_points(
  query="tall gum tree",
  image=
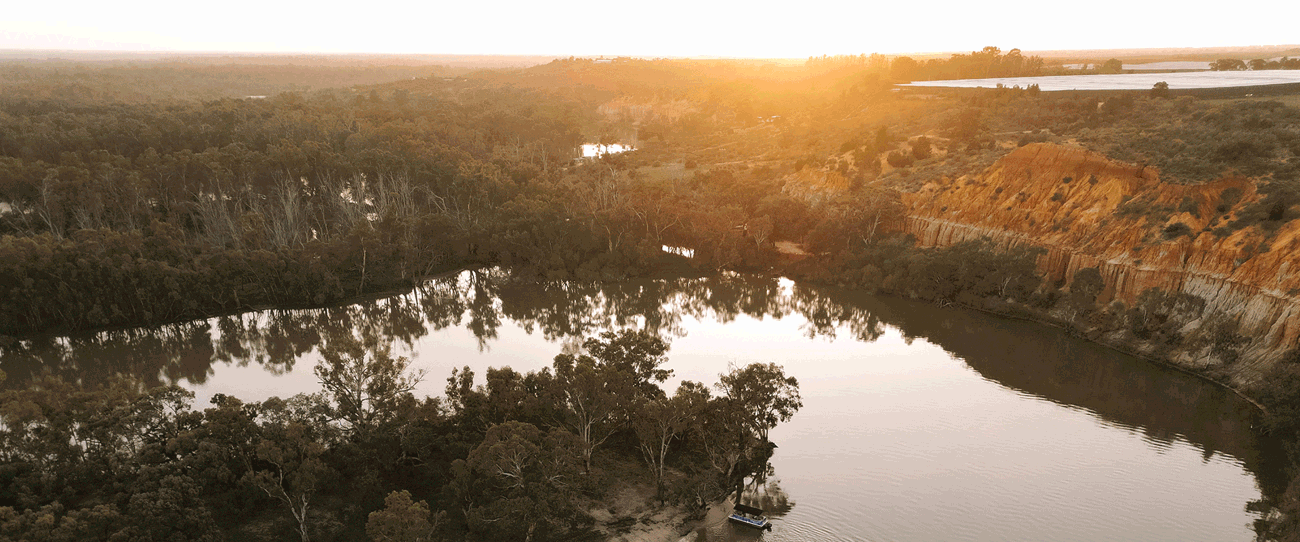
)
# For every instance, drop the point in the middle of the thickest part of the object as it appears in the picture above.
(754, 399)
(599, 388)
(290, 466)
(366, 384)
(657, 422)
(525, 481)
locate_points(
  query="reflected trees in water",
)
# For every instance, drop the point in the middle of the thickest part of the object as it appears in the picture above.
(721, 431)
(1018, 355)
(365, 382)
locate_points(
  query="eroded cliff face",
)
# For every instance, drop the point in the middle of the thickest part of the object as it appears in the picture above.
(1065, 200)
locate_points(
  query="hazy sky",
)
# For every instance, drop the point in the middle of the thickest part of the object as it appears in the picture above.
(758, 28)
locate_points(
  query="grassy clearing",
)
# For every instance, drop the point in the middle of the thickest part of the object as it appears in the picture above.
(1291, 100)
(668, 172)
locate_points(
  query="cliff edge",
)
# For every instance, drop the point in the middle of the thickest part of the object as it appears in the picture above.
(1087, 210)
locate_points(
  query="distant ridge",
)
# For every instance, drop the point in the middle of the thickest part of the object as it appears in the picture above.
(1133, 55)
(312, 59)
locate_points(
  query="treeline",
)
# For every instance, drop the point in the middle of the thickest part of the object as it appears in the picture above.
(1236, 64)
(519, 457)
(130, 214)
(120, 215)
(987, 62)
(199, 78)
(481, 301)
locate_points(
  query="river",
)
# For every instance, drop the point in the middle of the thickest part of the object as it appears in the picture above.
(919, 423)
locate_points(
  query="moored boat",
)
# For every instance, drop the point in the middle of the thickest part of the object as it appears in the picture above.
(749, 516)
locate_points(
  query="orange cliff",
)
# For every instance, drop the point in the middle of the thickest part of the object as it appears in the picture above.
(1064, 199)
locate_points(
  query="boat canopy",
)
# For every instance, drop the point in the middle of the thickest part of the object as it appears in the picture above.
(749, 510)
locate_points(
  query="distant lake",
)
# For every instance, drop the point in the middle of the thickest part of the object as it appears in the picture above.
(919, 423)
(593, 150)
(1153, 66)
(1128, 81)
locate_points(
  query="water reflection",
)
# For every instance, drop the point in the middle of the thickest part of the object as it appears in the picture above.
(1162, 404)
(478, 300)
(765, 494)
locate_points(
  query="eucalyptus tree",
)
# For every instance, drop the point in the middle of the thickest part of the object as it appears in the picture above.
(599, 388)
(403, 520)
(520, 482)
(290, 465)
(595, 399)
(734, 430)
(365, 383)
(658, 422)
(763, 394)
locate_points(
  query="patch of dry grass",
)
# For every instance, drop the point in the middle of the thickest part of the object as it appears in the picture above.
(1291, 100)
(668, 172)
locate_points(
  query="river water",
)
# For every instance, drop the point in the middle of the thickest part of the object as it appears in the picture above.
(919, 423)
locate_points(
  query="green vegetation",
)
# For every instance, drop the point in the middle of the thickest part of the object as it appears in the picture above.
(1255, 64)
(131, 214)
(1190, 142)
(121, 214)
(1176, 230)
(1160, 90)
(1113, 65)
(511, 459)
(987, 62)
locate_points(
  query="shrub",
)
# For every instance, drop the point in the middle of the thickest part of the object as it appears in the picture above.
(1270, 211)
(1085, 287)
(1280, 393)
(899, 160)
(1177, 229)
(1228, 198)
(921, 148)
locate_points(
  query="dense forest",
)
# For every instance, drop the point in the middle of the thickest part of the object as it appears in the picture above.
(988, 62)
(508, 459)
(122, 207)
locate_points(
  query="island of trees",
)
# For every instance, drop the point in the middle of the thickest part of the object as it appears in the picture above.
(514, 457)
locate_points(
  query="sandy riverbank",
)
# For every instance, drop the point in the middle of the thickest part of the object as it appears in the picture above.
(635, 516)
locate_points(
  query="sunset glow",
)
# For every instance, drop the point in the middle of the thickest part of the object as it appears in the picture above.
(654, 271)
(672, 28)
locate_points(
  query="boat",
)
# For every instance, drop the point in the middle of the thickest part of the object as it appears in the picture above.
(750, 517)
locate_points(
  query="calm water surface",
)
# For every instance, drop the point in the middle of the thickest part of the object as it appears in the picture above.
(919, 423)
(595, 150)
(1129, 81)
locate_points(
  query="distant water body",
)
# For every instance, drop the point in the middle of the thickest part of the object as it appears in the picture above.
(594, 150)
(1155, 66)
(919, 423)
(1128, 81)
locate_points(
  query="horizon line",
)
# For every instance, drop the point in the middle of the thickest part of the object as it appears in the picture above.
(234, 53)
